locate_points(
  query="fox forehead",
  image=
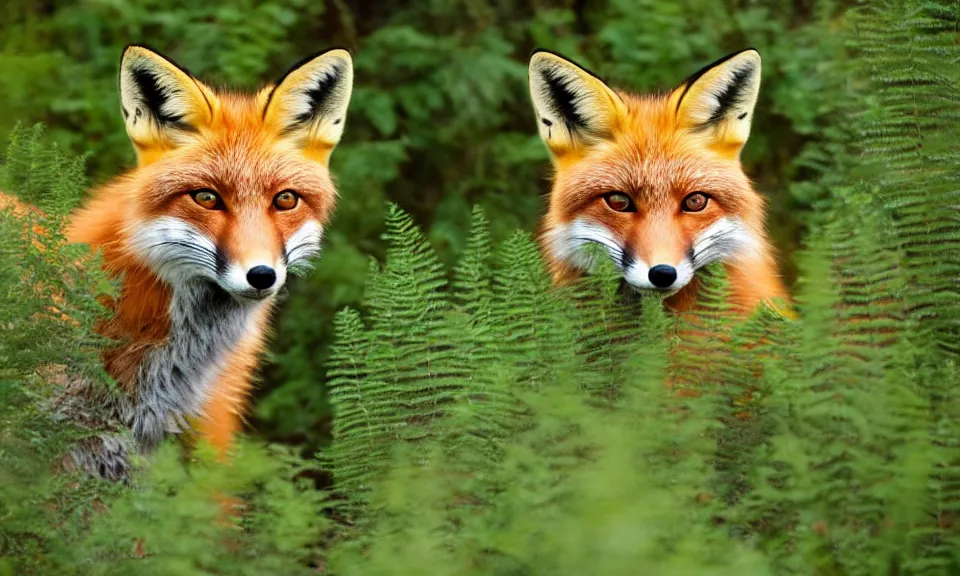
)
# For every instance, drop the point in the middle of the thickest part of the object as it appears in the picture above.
(656, 180)
(649, 157)
(239, 159)
(243, 169)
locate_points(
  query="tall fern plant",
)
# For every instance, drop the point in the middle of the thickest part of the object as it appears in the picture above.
(487, 422)
(574, 432)
(483, 435)
(860, 474)
(54, 393)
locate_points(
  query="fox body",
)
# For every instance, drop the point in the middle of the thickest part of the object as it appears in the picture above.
(656, 180)
(230, 193)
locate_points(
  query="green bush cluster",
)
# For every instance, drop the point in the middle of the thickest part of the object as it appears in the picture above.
(440, 120)
(486, 423)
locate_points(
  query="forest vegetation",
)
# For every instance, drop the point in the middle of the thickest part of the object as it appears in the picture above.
(430, 404)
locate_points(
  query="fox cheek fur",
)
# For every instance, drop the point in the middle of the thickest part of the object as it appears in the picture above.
(230, 194)
(656, 180)
(726, 240)
(179, 253)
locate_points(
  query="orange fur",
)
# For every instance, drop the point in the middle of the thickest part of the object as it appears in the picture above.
(248, 149)
(645, 147)
(225, 407)
(247, 165)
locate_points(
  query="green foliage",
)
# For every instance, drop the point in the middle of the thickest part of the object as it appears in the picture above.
(861, 472)
(39, 268)
(487, 422)
(170, 523)
(906, 139)
(550, 445)
(53, 393)
(440, 120)
(824, 445)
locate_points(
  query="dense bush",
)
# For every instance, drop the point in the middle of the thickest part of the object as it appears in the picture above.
(486, 423)
(440, 120)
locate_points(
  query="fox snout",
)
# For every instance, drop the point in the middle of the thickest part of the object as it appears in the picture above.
(643, 265)
(662, 275)
(261, 277)
(255, 281)
(179, 253)
(667, 277)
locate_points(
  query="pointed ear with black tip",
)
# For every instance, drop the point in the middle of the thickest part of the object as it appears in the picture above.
(162, 104)
(574, 108)
(717, 102)
(309, 104)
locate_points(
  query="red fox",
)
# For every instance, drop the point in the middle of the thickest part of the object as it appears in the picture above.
(656, 180)
(230, 193)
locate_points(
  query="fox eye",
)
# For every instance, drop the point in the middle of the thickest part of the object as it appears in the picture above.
(619, 202)
(695, 202)
(207, 198)
(286, 200)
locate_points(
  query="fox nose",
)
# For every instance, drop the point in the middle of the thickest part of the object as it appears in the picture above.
(261, 277)
(662, 275)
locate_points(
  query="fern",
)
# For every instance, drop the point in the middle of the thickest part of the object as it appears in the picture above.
(909, 148)
(355, 424)
(451, 502)
(605, 320)
(40, 174)
(487, 408)
(54, 394)
(855, 424)
(495, 423)
(788, 446)
(471, 287)
(408, 345)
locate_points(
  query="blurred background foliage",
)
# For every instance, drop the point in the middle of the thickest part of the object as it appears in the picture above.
(440, 119)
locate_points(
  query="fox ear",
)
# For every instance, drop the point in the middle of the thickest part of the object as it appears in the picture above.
(718, 101)
(310, 102)
(574, 107)
(162, 104)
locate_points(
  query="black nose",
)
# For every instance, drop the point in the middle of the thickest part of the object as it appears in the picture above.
(662, 275)
(263, 277)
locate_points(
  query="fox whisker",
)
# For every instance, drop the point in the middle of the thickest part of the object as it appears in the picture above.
(303, 250)
(200, 253)
(184, 244)
(615, 252)
(715, 247)
(170, 267)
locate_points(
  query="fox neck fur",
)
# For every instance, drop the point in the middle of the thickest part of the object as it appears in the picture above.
(174, 378)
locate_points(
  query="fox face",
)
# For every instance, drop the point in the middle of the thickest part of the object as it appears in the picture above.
(230, 189)
(655, 180)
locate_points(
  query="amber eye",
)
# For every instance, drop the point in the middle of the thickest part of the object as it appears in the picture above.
(285, 200)
(619, 202)
(207, 198)
(695, 202)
